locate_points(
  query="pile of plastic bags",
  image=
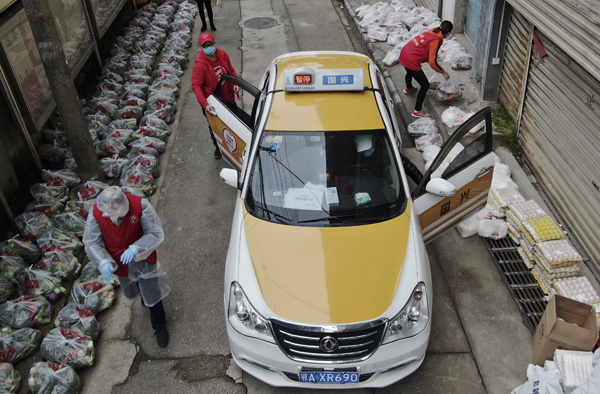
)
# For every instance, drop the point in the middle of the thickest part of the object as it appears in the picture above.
(128, 118)
(396, 23)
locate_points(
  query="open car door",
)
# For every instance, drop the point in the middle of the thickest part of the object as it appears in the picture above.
(231, 125)
(467, 161)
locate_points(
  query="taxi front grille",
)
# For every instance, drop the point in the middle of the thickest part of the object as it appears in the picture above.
(305, 344)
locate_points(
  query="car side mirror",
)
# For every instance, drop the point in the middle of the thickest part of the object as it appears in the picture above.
(229, 176)
(440, 187)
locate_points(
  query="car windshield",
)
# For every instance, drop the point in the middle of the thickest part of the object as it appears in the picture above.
(325, 178)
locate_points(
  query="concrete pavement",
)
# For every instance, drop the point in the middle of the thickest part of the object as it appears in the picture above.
(478, 343)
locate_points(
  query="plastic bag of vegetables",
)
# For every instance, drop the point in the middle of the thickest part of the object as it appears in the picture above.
(104, 106)
(167, 113)
(10, 264)
(130, 124)
(20, 246)
(90, 273)
(167, 68)
(151, 131)
(16, 344)
(129, 112)
(132, 92)
(160, 99)
(49, 194)
(70, 347)
(60, 263)
(26, 311)
(138, 176)
(33, 224)
(98, 119)
(111, 146)
(112, 166)
(7, 289)
(52, 153)
(146, 160)
(81, 207)
(57, 240)
(66, 178)
(69, 223)
(37, 282)
(141, 150)
(10, 379)
(76, 317)
(155, 121)
(119, 133)
(87, 191)
(46, 377)
(134, 101)
(45, 208)
(149, 142)
(96, 295)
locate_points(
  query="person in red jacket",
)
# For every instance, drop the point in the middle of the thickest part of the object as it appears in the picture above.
(423, 48)
(121, 236)
(211, 64)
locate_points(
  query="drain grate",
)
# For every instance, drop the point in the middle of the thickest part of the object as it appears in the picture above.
(261, 23)
(524, 288)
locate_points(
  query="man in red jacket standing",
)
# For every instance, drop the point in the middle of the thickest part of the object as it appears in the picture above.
(423, 48)
(211, 64)
(120, 237)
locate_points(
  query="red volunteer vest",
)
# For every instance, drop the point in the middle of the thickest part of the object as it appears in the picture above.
(416, 52)
(118, 238)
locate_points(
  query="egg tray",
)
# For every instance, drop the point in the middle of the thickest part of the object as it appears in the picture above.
(558, 252)
(523, 211)
(507, 195)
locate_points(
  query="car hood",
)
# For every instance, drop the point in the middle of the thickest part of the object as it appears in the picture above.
(328, 275)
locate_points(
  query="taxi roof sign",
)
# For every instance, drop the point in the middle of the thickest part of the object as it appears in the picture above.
(305, 79)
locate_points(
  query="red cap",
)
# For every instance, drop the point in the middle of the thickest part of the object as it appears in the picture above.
(204, 37)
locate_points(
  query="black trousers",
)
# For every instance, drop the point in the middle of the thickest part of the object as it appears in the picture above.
(209, 11)
(157, 316)
(422, 80)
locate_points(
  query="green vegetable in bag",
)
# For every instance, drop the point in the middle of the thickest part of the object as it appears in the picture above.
(49, 194)
(69, 347)
(57, 240)
(76, 317)
(37, 282)
(26, 311)
(65, 177)
(10, 379)
(96, 295)
(10, 264)
(60, 263)
(52, 378)
(20, 246)
(7, 289)
(33, 224)
(16, 344)
(69, 223)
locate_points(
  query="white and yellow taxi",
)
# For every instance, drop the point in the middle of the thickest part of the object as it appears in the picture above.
(327, 280)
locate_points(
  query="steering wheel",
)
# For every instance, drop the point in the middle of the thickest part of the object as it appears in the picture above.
(359, 168)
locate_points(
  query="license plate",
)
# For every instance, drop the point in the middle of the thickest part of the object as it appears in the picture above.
(329, 377)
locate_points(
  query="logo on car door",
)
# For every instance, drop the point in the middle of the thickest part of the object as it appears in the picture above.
(230, 140)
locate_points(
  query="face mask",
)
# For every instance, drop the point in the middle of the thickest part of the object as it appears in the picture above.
(210, 50)
(369, 152)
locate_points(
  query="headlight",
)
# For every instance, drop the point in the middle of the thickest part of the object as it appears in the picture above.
(244, 318)
(412, 319)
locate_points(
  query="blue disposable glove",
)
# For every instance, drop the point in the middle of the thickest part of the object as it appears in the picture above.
(106, 270)
(127, 256)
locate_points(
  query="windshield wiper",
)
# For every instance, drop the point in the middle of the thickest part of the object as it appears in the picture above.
(330, 218)
(280, 218)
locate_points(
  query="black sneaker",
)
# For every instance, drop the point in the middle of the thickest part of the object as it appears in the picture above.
(162, 337)
(217, 154)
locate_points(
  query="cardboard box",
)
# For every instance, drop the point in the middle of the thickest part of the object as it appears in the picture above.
(566, 324)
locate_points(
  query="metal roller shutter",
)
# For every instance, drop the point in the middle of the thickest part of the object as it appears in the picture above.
(561, 141)
(516, 64)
